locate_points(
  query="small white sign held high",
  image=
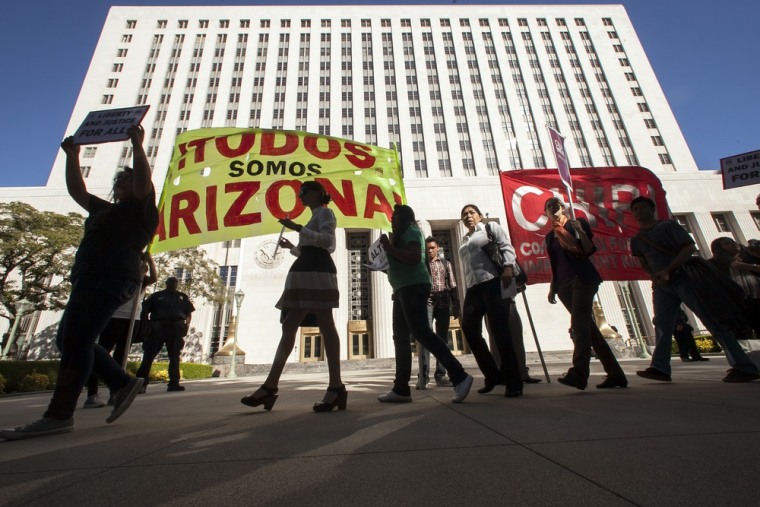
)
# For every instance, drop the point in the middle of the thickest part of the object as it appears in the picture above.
(741, 170)
(109, 125)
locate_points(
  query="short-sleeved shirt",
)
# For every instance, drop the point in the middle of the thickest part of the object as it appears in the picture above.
(668, 235)
(401, 274)
(168, 305)
(115, 234)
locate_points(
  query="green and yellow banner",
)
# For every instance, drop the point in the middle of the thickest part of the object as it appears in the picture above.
(230, 183)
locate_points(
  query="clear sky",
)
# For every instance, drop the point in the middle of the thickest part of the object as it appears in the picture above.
(704, 53)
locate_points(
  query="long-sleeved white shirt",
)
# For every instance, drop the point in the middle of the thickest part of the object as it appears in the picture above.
(478, 267)
(319, 231)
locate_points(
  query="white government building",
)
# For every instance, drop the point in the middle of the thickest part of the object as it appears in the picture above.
(464, 91)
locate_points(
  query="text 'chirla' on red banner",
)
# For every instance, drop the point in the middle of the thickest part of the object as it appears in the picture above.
(602, 196)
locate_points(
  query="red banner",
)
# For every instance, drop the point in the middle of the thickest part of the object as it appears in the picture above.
(602, 195)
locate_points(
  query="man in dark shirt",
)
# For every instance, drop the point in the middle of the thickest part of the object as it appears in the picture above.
(663, 247)
(170, 312)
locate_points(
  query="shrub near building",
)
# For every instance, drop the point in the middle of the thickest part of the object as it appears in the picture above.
(31, 376)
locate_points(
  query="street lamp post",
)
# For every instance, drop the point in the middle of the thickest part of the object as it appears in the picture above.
(22, 306)
(239, 296)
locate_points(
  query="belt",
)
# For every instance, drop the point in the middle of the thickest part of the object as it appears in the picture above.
(167, 321)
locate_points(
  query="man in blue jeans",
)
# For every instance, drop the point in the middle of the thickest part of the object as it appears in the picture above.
(663, 247)
(443, 302)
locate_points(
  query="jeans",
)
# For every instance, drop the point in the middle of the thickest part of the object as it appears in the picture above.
(667, 300)
(410, 318)
(172, 334)
(93, 300)
(484, 299)
(578, 298)
(441, 317)
(112, 339)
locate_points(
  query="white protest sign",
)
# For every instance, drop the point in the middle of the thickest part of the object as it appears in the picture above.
(377, 258)
(741, 170)
(109, 125)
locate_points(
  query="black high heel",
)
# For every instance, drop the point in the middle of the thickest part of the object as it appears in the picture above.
(267, 400)
(339, 401)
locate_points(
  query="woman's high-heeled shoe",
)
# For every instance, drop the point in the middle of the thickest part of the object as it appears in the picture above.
(267, 400)
(340, 400)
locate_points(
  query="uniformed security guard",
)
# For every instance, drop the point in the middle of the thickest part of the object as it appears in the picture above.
(170, 312)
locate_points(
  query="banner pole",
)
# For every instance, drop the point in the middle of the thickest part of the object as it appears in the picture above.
(535, 338)
(135, 303)
(277, 245)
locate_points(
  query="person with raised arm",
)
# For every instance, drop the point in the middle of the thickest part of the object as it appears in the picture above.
(105, 275)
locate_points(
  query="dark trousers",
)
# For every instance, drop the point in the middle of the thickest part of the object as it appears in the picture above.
(93, 301)
(481, 300)
(410, 318)
(687, 346)
(578, 298)
(441, 317)
(171, 334)
(112, 339)
(751, 313)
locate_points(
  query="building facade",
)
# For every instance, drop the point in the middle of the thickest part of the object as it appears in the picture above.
(462, 92)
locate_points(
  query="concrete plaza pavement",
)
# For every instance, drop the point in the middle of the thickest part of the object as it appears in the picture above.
(690, 442)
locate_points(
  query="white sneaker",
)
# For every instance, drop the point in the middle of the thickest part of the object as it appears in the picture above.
(93, 401)
(393, 397)
(462, 389)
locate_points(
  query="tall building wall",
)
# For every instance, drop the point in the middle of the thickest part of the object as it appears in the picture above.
(462, 91)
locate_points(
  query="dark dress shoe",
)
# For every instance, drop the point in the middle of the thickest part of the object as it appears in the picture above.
(613, 382)
(701, 358)
(487, 388)
(573, 381)
(654, 374)
(531, 380)
(687, 360)
(513, 394)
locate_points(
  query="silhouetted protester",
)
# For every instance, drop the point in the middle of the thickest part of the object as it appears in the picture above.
(741, 264)
(170, 312)
(410, 280)
(115, 336)
(488, 291)
(664, 247)
(442, 304)
(684, 335)
(311, 293)
(575, 281)
(105, 275)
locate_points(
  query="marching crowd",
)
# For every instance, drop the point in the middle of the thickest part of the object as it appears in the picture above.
(110, 269)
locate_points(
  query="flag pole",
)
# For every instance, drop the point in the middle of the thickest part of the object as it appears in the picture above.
(535, 338)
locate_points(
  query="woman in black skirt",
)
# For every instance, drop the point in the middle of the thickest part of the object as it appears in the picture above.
(311, 291)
